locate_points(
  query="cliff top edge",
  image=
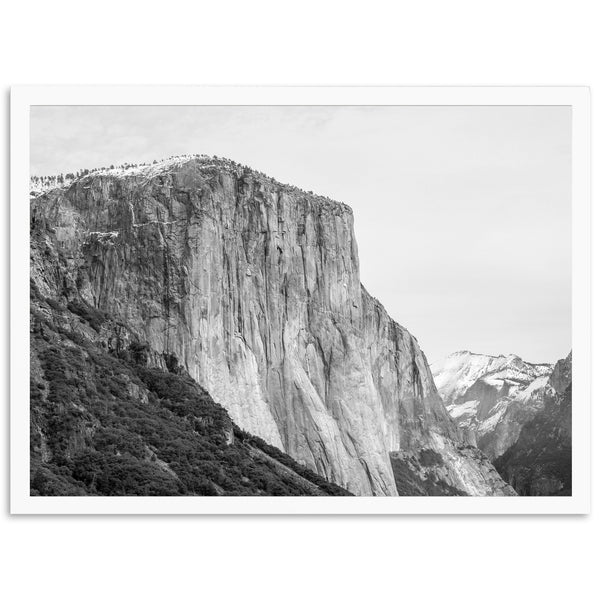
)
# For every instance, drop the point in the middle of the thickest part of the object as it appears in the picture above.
(42, 184)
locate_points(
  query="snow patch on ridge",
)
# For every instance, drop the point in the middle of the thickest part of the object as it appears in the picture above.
(455, 375)
(490, 395)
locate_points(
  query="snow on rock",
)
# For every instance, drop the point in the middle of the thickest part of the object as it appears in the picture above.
(491, 397)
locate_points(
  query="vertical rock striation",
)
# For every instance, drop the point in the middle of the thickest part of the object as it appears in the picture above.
(254, 287)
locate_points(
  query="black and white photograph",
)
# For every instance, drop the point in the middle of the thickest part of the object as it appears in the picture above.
(300, 300)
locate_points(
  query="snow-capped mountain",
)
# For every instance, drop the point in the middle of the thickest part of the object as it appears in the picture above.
(491, 397)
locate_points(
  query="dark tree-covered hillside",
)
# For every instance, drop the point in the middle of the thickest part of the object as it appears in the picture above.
(105, 422)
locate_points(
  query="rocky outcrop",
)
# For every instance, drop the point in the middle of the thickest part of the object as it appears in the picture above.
(540, 462)
(491, 397)
(254, 288)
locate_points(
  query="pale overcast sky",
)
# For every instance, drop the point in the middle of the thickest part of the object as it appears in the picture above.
(462, 214)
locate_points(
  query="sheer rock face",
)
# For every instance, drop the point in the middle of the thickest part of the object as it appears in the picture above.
(254, 286)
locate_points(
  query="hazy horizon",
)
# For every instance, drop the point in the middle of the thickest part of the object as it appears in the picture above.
(462, 214)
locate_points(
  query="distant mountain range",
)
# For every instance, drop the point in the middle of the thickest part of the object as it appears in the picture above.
(517, 413)
(491, 397)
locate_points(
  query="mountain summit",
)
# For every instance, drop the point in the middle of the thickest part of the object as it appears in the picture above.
(252, 287)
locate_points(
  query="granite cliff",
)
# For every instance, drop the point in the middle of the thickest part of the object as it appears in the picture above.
(253, 288)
